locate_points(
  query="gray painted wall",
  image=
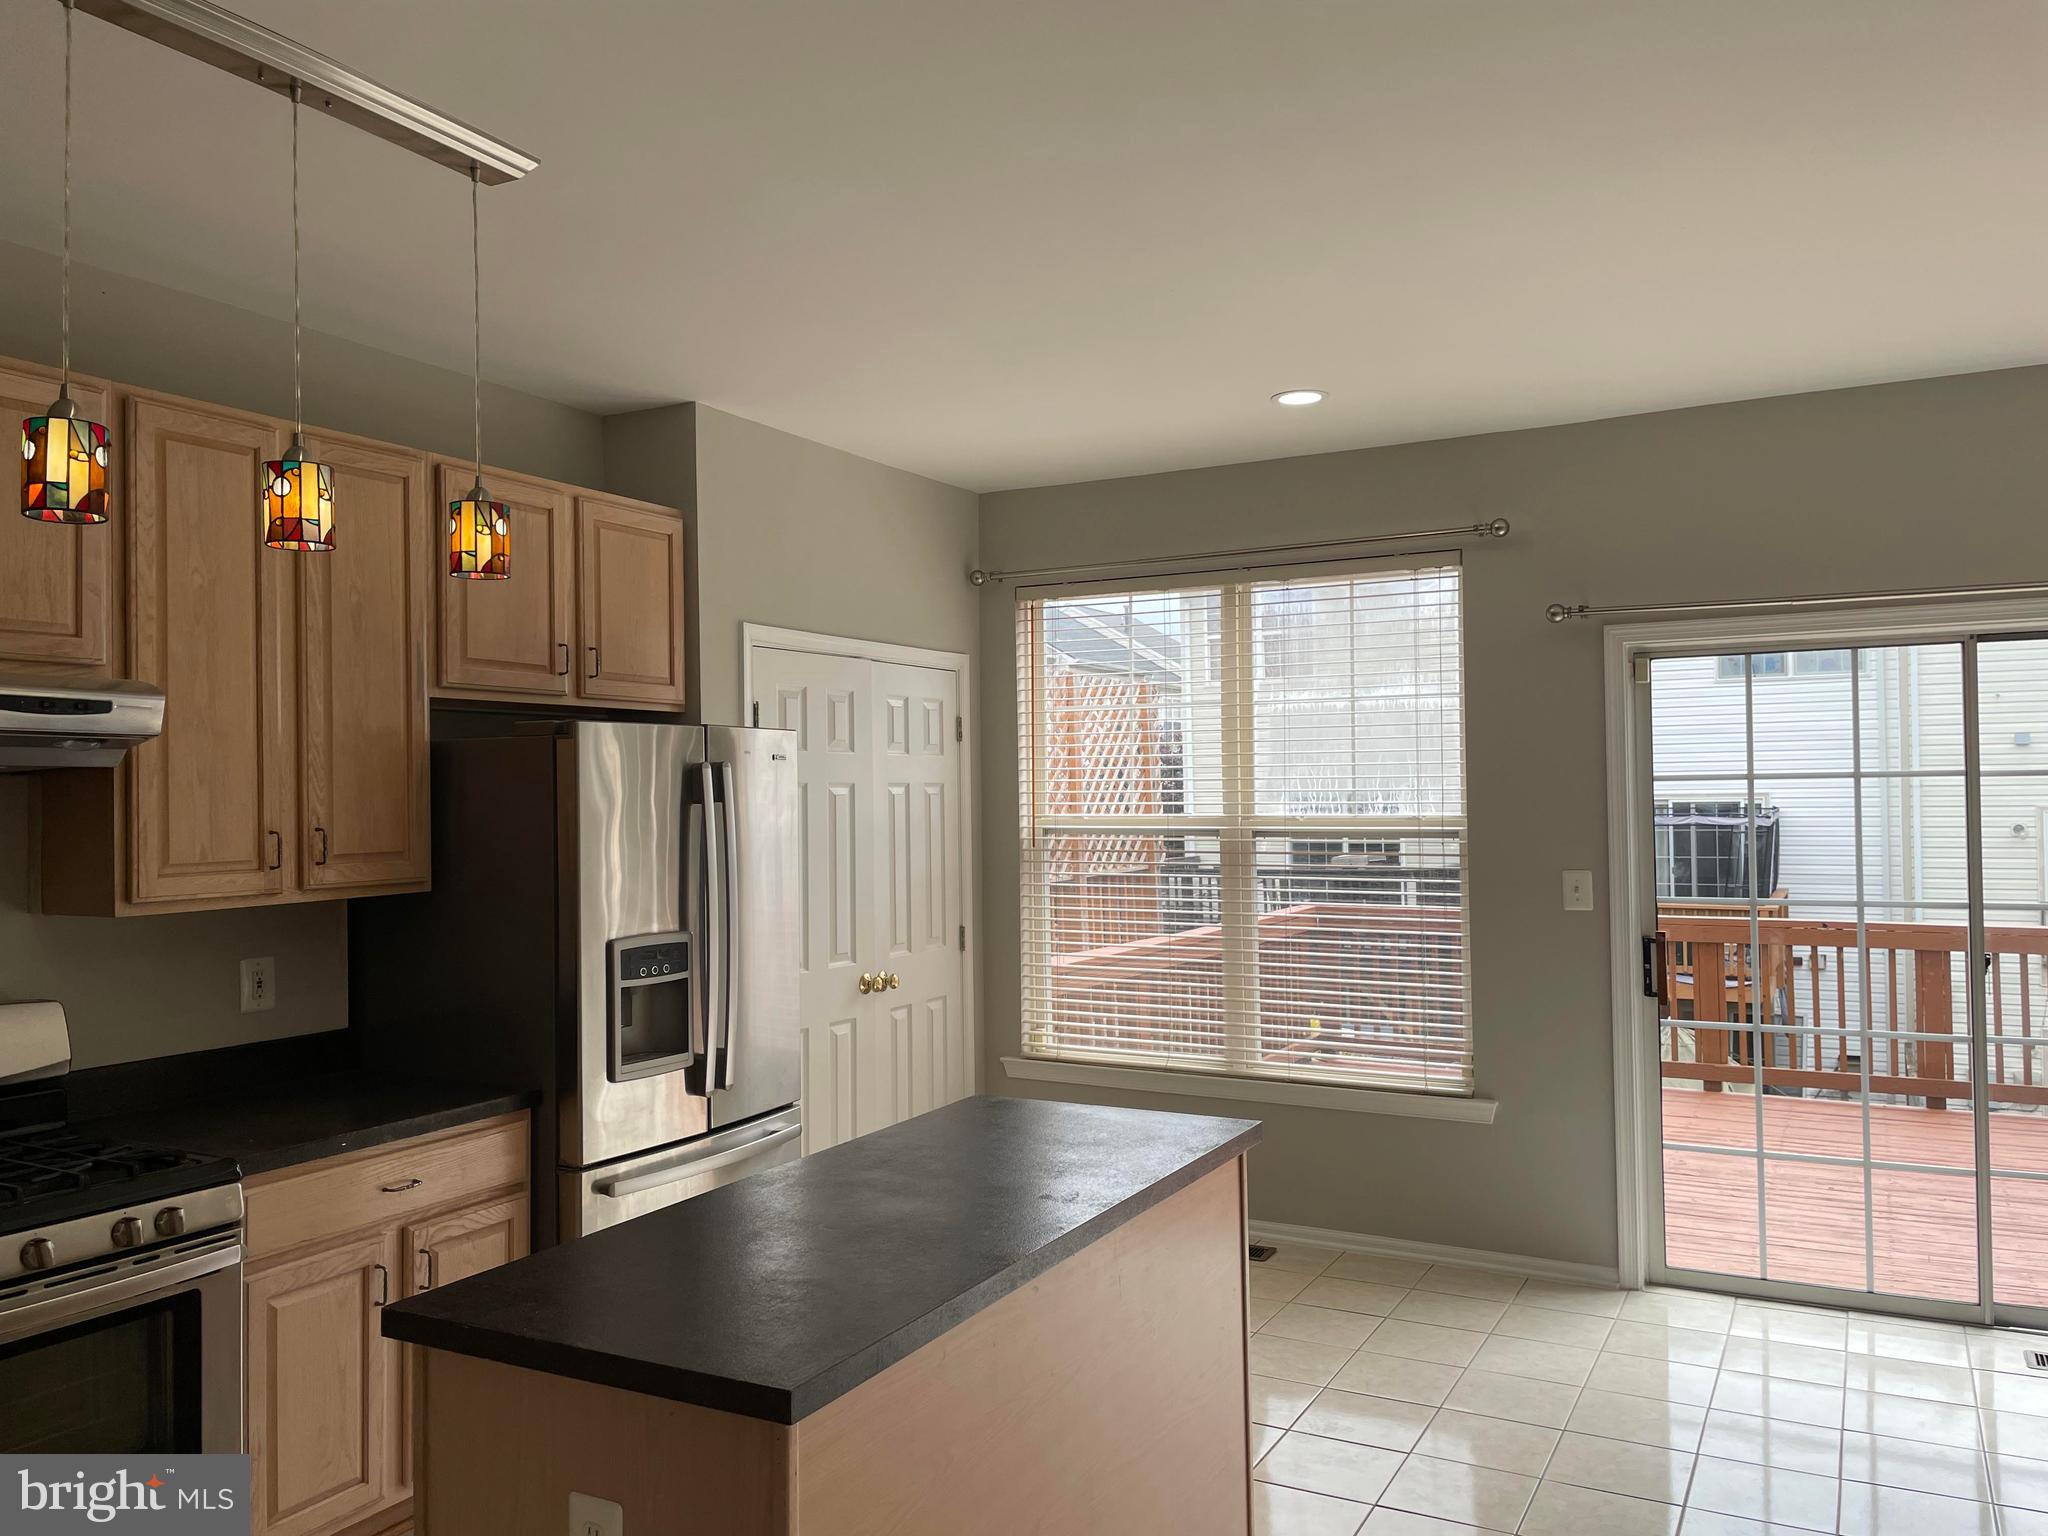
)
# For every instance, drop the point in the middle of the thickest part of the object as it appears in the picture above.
(1940, 481)
(139, 987)
(792, 533)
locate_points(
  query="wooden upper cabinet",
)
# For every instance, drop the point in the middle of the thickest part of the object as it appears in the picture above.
(363, 625)
(206, 603)
(629, 600)
(510, 636)
(54, 578)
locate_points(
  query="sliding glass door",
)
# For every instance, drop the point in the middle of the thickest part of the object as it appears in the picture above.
(1849, 1086)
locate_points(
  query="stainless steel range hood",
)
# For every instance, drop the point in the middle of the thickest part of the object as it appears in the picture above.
(53, 721)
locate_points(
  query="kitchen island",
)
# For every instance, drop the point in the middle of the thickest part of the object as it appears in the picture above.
(1003, 1316)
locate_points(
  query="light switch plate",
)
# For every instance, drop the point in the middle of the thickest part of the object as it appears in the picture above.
(1578, 890)
(592, 1516)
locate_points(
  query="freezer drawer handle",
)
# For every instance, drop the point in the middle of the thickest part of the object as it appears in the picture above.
(640, 1183)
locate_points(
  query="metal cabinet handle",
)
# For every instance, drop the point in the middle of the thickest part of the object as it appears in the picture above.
(895, 981)
(383, 1286)
(595, 669)
(321, 833)
(276, 850)
(867, 983)
(401, 1186)
(563, 669)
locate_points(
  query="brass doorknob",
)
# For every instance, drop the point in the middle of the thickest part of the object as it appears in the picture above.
(895, 981)
(868, 983)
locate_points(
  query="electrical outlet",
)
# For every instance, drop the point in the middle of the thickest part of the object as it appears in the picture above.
(592, 1516)
(259, 984)
(1578, 890)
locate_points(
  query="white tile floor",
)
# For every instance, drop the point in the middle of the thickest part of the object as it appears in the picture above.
(1404, 1399)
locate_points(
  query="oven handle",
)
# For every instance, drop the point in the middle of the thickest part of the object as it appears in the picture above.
(87, 1295)
(635, 1184)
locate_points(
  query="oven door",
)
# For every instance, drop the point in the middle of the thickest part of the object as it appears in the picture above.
(596, 1198)
(139, 1355)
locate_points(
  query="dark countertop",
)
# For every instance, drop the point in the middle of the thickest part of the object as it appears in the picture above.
(772, 1296)
(275, 1105)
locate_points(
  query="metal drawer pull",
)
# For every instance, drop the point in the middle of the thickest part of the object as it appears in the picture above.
(402, 1187)
(383, 1286)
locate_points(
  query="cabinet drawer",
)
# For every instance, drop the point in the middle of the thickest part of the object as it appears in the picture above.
(382, 1186)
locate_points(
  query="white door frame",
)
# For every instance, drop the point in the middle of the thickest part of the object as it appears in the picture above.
(961, 666)
(1631, 856)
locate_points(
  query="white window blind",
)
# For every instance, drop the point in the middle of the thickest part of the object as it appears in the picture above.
(1243, 829)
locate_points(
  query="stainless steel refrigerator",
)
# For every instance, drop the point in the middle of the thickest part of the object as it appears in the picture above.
(613, 925)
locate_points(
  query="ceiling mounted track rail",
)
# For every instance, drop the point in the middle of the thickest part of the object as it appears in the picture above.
(1559, 613)
(273, 61)
(1497, 529)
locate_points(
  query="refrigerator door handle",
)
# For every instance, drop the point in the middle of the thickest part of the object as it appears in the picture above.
(730, 974)
(712, 976)
(695, 899)
(635, 1184)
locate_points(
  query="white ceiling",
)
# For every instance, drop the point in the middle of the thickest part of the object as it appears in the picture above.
(1008, 244)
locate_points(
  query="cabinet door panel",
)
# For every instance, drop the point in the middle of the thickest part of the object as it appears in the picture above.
(511, 635)
(629, 576)
(53, 577)
(440, 1252)
(319, 1388)
(206, 613)
(363, 622)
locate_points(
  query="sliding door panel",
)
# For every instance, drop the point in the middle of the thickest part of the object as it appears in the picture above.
(1812, 907)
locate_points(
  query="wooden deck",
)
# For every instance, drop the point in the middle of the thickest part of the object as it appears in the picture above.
(1924, 1224)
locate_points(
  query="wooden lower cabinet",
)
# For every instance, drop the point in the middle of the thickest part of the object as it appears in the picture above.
(322, 1387)
(329, 1397)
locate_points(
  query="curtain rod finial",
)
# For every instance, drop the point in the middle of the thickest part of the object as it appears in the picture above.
(1497, 529)
(1557, 613)
(978, 577)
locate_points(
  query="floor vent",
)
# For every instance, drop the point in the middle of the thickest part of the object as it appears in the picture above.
(1262, 1252)
(2037, 1359)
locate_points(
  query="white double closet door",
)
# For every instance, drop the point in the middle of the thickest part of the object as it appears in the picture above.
(879, 761)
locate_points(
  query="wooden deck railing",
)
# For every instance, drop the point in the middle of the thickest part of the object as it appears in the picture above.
(1911, 990)
(1337, 982)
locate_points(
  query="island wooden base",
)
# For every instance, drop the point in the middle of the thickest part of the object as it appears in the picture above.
(1109, 1395)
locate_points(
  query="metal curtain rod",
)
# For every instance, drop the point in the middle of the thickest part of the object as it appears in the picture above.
(269, 59)
(1558, 613)
(1497, 529)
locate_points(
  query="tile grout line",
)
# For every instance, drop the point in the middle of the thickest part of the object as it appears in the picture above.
(1721, 1369)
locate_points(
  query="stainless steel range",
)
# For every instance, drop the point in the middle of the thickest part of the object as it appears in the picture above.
(120, 1274)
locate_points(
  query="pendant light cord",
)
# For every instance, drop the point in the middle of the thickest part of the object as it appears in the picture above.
(64, 304)
(298, 396)
(476, 293)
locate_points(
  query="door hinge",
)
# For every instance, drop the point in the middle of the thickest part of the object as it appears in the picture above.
(963, 938)
(959, 728)
(757, 711)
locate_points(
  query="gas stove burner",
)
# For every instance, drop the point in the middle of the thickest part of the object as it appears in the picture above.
(52, 1175)
(37, 1164)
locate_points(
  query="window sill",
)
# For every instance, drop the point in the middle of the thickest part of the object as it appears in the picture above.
(1254, 1090)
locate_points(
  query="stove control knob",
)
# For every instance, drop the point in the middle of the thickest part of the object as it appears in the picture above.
(38, 1253)
(127, 1232)
(170, 1221)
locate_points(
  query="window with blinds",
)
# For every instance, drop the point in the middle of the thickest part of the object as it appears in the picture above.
(1243, 827)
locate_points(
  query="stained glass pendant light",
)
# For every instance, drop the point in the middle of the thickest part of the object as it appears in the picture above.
(479, 529)
(298, 493)
(64, 456)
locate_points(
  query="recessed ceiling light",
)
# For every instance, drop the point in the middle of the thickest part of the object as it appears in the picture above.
(1299, 397)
